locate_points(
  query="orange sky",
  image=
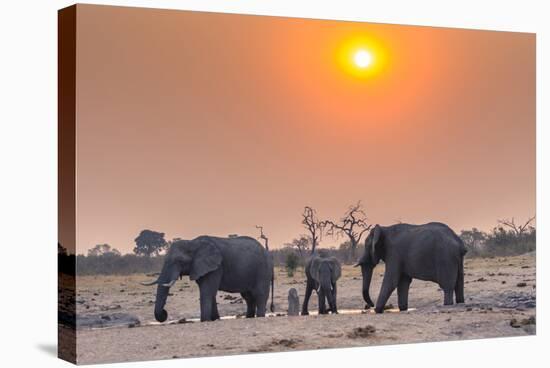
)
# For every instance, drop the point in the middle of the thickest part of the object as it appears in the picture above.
(202, 123)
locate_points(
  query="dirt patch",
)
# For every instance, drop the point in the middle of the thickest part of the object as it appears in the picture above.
(362, 332)
(287, 343)
(276, 345)
(106, 320)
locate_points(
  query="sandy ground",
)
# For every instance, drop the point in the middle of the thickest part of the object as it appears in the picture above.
(497, 291)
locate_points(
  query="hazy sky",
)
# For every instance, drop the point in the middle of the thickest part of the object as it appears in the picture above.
(202, 123)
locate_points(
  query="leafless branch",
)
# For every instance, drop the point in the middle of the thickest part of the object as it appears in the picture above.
(312, 225)
(353, 225)
(262, 236)
(518, 229)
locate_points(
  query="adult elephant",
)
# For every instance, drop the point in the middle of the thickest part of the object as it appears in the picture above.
(322, 272)
(235, 265)
(429, 252)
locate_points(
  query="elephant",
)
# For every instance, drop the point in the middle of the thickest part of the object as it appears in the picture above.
(429, 252)
(235, 265)
(322, 272)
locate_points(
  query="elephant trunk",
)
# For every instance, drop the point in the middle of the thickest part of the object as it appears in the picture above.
(326, 286)
(167, 279)
(162, 294)
(367, 277)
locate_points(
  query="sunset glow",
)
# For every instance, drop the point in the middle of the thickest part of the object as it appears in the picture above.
(283, 115)
(362, 57)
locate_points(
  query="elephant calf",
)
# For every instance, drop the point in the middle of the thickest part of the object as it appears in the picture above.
(235, 265)
(322, 272)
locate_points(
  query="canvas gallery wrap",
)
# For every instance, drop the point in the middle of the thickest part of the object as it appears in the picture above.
(234, 184)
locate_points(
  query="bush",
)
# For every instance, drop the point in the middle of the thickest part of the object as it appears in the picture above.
(499, 242)
(291, 263)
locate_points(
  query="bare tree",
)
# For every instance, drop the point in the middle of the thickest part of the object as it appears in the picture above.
(313, 226)
(518, 230)
(266, 241)
(301, 243)
(262, 236)
(353, 225)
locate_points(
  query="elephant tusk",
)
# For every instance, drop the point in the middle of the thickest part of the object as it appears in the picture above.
(170, 284)
(149, 283)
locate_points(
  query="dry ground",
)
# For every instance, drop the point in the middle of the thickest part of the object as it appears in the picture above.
(497, 290)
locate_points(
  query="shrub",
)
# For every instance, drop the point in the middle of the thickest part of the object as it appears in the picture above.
(291, 263)
(502, 242)
(498, 242)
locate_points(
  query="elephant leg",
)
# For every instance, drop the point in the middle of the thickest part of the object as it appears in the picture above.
(403, 292)
(388, 286)
(333, 307)
(208, 287)
(215, 314)
(322, 304)
(250, 304)
(261, 301)
(448, 296)
(309, 290)
(459, 288)
(206, 306)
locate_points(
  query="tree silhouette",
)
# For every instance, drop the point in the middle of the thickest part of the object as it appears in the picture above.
(353, 225)
(520, 229)
(301, 243)
(263, 237)
(150, 243)
(473, 239)
(103, 249)
(313, 226)
(61, 249)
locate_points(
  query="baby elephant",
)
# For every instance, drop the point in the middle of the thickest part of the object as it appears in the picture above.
(322, 272)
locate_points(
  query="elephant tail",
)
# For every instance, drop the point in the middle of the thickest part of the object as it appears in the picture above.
(459, 287)
(272, 306)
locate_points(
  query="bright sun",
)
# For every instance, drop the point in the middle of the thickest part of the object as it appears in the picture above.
(362, 58)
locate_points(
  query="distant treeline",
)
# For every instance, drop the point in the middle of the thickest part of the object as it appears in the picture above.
(499, 241)
(506, 239)
(116, 264)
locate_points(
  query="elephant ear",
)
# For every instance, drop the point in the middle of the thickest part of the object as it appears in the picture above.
(335, 269)
(207, 258)
(376, 245)
(314, 269)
